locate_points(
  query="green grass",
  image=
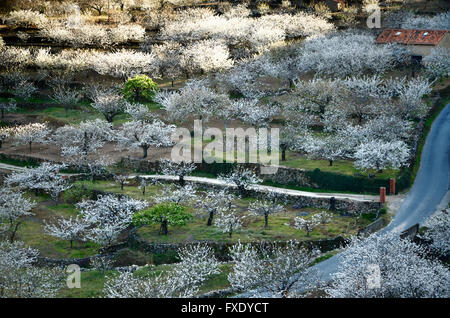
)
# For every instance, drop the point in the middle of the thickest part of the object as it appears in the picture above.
(92, 283)
(19, 163)
(345, 167)
(280, 228)
(196, 229)
(31, 231)
(75, 114)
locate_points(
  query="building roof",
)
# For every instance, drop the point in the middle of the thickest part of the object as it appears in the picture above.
(411, 36)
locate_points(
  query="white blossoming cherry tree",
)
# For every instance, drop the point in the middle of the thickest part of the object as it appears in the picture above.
(108, 216)
(182, 279)
(242, 178)
(138, 134)
(272, 270)
(386, 266)
(13, 207)
(179, 169)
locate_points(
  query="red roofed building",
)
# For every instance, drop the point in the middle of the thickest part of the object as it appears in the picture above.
(420, 42)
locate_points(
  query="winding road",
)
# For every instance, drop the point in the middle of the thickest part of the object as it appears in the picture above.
(431, 189)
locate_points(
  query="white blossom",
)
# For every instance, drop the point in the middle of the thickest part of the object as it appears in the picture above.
(273, 269)
(386, 266)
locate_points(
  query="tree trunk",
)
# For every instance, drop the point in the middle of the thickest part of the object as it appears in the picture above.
(331, 162)
(266, 220)
(145, 149)
(71, 243)
(137, 95)
(182, 182)
(3, 113)
(283, 155)
(172, 83)
(1, 143)
(210, 218)
(121, 186)
(14, 231)
(164, 230)
(143, 190)
(109, 118)
(29, 146)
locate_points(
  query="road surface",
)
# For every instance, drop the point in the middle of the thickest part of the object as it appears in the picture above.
(430, 191)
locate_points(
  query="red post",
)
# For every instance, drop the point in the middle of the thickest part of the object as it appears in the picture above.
(382, 195)
(392, 186)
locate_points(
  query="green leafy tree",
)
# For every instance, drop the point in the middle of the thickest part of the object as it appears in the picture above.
(138, 87)
(165, 214)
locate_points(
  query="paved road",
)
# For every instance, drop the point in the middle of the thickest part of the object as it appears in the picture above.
(431, 186)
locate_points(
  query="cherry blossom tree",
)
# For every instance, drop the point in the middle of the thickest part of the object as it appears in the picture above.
(176, 194)
(206, 56)
(275, 269)
(138, 134)
(242, 178)
(108, 216)
(63, 94)
(182, 279)
(437, 63)
(123, 63)
(307, 225)
(5, 133)
(331, 147)
(80, 144)
(168, 56)
(70, 229)
(410, 97)
(270, 205)
(139, 112)
(30, 133)
(120, 179)
(229, 221)
(348, 53)
(109, 103)
(385, 266)
(437, 231)
(39, 178)
(13, 207)
(195, 98)
(19, 278)
(380, 155)
(11, 105)
(179, 169)
(213, 202)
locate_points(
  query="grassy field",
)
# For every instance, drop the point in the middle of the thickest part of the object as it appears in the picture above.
(345, 167)
(31, 231)
(73, 115)
(279, 224)
(92, 282)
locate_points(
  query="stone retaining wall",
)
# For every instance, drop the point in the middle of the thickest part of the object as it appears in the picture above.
(284, 175)
(221, 249)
